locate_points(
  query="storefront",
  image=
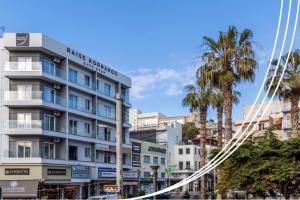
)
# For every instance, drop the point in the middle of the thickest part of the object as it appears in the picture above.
(80, 182)
(107, 176)
(19, 181)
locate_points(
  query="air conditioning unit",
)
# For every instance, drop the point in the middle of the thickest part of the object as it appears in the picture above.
(56, 86)
(56, 59)
(56, 139)
(56, 113)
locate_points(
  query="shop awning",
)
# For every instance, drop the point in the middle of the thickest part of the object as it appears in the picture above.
(19, 188)
(130, 182)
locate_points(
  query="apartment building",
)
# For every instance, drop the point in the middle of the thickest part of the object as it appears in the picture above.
(157, 128)
(59, 120)
(187, 162)
(144, 155)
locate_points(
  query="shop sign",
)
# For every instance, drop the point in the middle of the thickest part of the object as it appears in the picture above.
(136, 148)
(56, 172)
(19, 189)
(111, 188)
(111, 173)
(156, 149)
(81, 172)
(17, 171)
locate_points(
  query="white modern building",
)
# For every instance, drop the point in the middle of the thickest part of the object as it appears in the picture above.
(58, 120)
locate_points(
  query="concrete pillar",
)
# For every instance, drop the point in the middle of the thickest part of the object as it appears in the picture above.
(119, 129)
(80, 192)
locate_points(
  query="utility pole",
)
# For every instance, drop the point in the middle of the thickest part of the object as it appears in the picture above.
(119, 130)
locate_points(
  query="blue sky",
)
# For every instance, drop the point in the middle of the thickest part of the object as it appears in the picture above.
(154, 42)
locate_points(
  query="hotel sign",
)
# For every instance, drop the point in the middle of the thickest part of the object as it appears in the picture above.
(91, 63)
(17, 171)
(19, 189)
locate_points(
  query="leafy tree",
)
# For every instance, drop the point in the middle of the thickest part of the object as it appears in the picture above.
(231, 59)
(289, 87)
(189, 131)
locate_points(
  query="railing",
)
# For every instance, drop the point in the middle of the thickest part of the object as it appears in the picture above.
(29, 124)
(81, 108)
(34, 66)
(14, 154)
(103, 92)
(87, 135)
(100, 136)
(91, 86)
(33, 95)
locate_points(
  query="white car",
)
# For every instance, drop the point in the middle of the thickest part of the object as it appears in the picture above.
(108, 196)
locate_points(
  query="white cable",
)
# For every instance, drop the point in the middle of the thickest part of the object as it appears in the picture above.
(250, 111)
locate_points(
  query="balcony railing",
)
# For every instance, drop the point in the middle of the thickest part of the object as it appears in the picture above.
(91, 86)
(81, 108)
(33, 95)
(29, 154)
(31, 124)
(34, 66)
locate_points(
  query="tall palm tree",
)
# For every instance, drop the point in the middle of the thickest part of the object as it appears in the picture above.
(232, 57)
(289, 87)
(197, 98)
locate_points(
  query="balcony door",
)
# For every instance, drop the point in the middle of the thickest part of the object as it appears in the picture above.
(49, 123)
(24, 92)
(24, 120)
(49, 94)
(24, 63)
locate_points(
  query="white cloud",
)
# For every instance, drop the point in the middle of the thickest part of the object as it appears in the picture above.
(166, 81)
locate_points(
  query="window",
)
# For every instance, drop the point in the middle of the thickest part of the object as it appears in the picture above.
(261, 126)
(87, 152)
(163, 161)
(146, 159)
(48, 67)
(180, 165)
(24, 63)
(73, 101)
(24, 92)
(163, 175)
(73, 127)
(49, 94)
(87, 128)
(199, 151)
(49, 123)
(195, 151)
(87, 80)
(147, 174)
(72, 75)
(24, 149)
(107, 135)
(180, 151)
(155, 160)
(187, 165)
(187, 150)
(106, 89)
(106, 157)
(49, 150)
(73, 153)
(87, 104)
(24, 120)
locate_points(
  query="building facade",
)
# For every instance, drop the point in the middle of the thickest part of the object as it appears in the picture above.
(58, 120)
(144, 155)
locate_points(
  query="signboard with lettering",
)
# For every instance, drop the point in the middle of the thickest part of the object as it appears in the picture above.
(56, 172)
(136, 147)
(81, 172)
(104, 172)
(111, 188)
(17, 171)
(22, 39)
(19, 189)
(157, 149)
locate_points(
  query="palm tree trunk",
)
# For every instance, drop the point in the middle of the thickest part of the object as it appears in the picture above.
(294, 113)
(202, 130)
(228, 111)
(219, 125)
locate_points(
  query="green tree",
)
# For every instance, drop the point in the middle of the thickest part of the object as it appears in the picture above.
(189, 131)
(197, 98)
(231, 57)
(289, 87)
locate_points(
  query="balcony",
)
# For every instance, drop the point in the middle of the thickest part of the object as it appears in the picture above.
(32, 98)
(90, 86)
(33, 69)
(81, 108)
(26, 127)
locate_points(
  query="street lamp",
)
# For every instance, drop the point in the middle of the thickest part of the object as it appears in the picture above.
(154, 177)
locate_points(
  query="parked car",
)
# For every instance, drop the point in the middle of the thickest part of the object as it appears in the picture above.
(165, 195)
(186, 195)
